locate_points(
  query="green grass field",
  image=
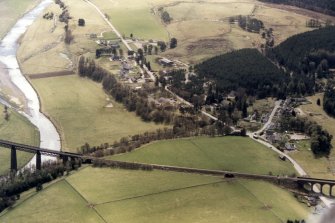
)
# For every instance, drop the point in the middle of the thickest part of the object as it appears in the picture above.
(134, 17)
(17, 129)
(109, 35)
(321, 167)
(77, 106)
(222, 153)
(126, 196)
(10, 11)
(57, 203)
(316, 167)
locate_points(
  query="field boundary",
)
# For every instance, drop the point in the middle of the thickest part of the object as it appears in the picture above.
(51, 74)
(165, 191)
(82, 196)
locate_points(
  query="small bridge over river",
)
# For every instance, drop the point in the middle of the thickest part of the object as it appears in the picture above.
(312, 185)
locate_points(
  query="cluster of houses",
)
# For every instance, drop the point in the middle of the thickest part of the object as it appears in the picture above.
(114, 44)
(283, 140)
(166, 62)
(165, 103)
(125, 68)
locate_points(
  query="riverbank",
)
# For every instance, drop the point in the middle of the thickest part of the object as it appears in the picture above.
(49, 137)
(11, 11)
(28, 134)
(10, 93)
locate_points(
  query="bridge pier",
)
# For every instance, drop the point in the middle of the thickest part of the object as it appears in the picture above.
(65, 159)
(13, 159)
(321, 188)
(38, 161)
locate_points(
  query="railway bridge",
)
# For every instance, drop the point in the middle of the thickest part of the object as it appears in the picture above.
(65, 156)
(312, 185)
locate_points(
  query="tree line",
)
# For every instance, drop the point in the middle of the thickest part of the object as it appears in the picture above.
(182, 128)
(292, 68)
(295, 221)
(307, 53)
(247, 69)
(250, 24)
(329, 100)
(113, 164)
(133, 100)
(64, 17)
(323, 6)
(14, 184)
(165, 16)
(320, 138)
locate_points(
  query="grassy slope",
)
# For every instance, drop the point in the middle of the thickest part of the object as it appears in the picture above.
(125, 184)
(78, 107)
(317, 167)
(220, 202)
(140, 196)
(57, 203)
(27, 134)
(224, 153)
(10, 11)
(43, 42)
(192, 24)
(134, 17)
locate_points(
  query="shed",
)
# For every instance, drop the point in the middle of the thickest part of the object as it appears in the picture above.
(166, 62)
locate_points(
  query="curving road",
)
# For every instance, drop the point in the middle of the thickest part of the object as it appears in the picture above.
(328, 202)
(297, 167)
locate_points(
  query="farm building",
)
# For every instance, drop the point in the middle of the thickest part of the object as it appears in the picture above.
(166, 62)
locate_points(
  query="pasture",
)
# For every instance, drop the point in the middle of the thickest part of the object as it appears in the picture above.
(17, 129)
(112, 195)
(315, 167)
(134, 17)
(11, 11)
(320, 167)
(221, 153)
(84, 113)
(44, 40)
(57, 203)
(209, 32)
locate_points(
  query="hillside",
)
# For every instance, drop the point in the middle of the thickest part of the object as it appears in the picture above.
(246, 68)
(323, 6)
(114, 195)
(28, 134)
(130, 196)
(220, 153)
(306, 51)
(11, 10)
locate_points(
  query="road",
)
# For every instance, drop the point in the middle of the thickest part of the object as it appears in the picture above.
(153, 78)
(266, 125)
(179, 98)
(190, 104)
(298, 168)
(328, 202)
(110, 24)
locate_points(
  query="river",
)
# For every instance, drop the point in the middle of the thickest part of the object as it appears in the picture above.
(49, 137)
